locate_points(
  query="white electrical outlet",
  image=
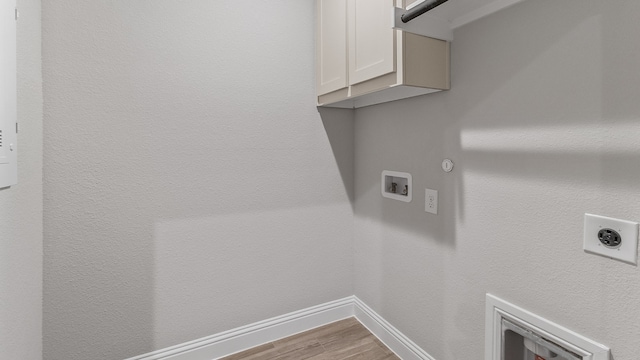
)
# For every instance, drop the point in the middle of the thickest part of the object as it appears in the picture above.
(431, 201)
(613, 238)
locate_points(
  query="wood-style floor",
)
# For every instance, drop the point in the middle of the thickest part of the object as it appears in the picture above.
(345, 339)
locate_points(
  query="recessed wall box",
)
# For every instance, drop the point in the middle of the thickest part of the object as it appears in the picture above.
(513, 333)
(396, 185)
(8, 100)
(612, 238)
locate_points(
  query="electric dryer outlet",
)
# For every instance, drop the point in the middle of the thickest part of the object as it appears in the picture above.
(612, 238)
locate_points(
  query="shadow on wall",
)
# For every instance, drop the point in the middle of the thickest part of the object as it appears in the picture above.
(400, 136)
(554, 108)
(542, 124)
(339, 126)
(544, 128)
(196, 184)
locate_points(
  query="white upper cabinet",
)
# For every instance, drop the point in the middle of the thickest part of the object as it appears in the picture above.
(331, 66)
(362, 60)
(371, 40)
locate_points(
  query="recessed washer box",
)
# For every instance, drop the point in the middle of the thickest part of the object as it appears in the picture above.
(396, 185)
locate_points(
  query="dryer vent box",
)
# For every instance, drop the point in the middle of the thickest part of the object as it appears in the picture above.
(512, 333)
(8, 97)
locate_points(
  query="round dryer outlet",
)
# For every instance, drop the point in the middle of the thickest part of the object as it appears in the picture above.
(610, 238)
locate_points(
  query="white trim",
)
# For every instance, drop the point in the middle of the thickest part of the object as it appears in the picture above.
(497, 309)
(389, 335)
(246, 337)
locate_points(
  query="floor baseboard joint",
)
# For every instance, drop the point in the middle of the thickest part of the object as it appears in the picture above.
(262, 332)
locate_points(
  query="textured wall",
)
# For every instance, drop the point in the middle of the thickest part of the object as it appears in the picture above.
(21, 206)
(191, 185)
(543, 123)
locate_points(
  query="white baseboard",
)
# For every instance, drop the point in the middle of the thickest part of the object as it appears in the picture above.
(246, 337)
(389, 335)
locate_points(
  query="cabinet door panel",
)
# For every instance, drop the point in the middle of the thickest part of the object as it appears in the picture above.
(371, 39)
(331, 45)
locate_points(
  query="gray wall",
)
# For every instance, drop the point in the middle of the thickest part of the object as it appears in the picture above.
(21, 206)
(543, 125)
(192, 187)
(190, 184)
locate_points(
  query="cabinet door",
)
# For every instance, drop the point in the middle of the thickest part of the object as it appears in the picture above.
(331, 42)
(371, 39)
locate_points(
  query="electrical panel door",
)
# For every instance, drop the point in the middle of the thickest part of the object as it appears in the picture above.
(8, 97)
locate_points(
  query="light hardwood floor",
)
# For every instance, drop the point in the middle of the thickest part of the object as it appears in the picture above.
(345, 339)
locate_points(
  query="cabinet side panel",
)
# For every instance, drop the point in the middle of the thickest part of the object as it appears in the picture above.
(426, 62)
(331, 45)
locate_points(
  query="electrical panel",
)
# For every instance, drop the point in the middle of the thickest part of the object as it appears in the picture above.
(8, 95)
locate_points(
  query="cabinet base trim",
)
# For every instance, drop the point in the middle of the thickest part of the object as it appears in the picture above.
(391, 94)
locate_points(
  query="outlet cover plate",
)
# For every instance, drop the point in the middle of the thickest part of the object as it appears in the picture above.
(431, 201)
(628, 230)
